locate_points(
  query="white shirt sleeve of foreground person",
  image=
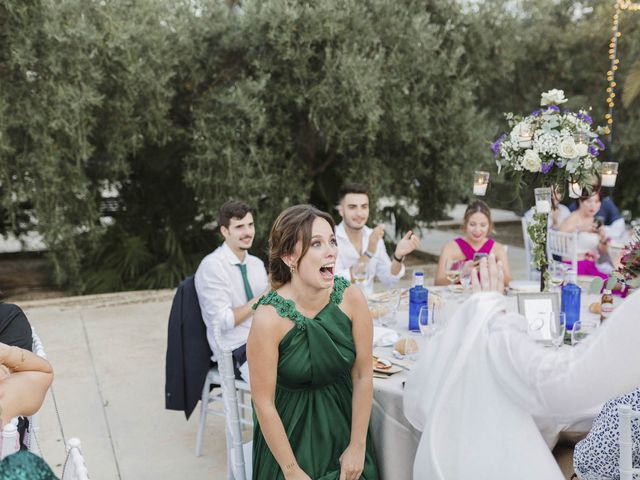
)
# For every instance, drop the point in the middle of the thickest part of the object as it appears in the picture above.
(489, 400)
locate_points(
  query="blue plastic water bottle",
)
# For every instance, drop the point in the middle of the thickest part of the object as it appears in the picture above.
(571, 299)
(418, 296)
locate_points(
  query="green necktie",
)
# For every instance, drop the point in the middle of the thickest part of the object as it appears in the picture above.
(245, 280)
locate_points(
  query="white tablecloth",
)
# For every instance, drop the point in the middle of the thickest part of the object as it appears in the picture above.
(396, 440)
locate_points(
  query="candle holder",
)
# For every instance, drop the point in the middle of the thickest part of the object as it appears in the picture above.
(543, 200)
(581, 140)
(575, 189)
(525, 135)
(608, 174)
(480, 183)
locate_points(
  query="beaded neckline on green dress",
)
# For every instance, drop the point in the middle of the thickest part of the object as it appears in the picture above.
(287, 308)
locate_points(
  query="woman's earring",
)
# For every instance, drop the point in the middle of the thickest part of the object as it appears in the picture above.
(292, 268)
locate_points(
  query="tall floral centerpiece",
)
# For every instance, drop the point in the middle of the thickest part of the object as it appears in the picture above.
(550, 148)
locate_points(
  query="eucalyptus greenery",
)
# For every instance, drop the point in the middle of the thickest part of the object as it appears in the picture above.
(537, 230)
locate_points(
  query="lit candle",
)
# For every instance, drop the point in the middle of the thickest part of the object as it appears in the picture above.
(543, 206)
(480, 183)
(609, 173)
(543, 200)
(582, 144)
(575, 190)
(525, 135)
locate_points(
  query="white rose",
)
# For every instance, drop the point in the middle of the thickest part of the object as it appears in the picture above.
(582, 149)
(553, 97)
(587, 163)
(567, 148)
(531, 161)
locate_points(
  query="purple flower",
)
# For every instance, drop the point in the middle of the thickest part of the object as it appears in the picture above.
(555, 108)
(594, 151)
(599, 143)
(545, 167)
(585, 118)
(535, 113)
(496, 145)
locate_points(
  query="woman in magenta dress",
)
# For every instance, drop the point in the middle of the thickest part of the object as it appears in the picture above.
(476, 227)
(592, 238)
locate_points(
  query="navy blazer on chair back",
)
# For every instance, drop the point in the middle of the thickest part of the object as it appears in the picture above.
(188, 352)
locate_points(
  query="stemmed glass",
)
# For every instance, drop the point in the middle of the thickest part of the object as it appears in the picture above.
(359, 273)
(556, 274)
(423, 320)
(578, 333)
(558, 329)
(452, 270)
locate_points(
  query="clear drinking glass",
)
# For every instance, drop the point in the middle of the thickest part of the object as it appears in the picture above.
(424, 321)
(558, 329)
(556, 274)
(452, 269)
(359, 273)
(578, 333)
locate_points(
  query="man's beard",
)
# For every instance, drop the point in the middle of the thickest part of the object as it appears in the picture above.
(357, 227)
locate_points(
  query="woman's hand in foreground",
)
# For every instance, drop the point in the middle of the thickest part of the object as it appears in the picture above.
(489, 276)
(352, 462)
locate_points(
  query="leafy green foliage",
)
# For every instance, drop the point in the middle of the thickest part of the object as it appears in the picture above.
(179, 105)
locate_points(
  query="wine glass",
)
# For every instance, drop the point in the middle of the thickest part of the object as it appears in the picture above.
(423, 320)
(556, 274)
(558, 329)
(359, 274)
(452, 269)
(578, 333)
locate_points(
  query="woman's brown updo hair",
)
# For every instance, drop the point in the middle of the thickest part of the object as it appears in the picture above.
(293, 224)
(477, 206)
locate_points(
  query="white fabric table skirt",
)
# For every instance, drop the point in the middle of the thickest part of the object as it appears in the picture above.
(396, 440)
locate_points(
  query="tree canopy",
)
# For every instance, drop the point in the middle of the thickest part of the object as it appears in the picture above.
(124, 125)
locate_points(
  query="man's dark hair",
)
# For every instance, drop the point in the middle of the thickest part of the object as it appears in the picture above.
(232, 209)
(352, 188)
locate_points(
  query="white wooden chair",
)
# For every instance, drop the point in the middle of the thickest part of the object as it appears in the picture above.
(625, 415)
(238, 453)
(211, 396)
(31, 438)
(10, 438)
(74, 465)
(564, 245)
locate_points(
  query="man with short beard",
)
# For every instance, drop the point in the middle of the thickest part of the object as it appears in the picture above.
(361, 247)
(229, 281)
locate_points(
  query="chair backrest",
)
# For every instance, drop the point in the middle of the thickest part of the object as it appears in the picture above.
(74, 466)
(564, 245)
(31, 439)
(232, 412)
(625, 415)
(10, 438)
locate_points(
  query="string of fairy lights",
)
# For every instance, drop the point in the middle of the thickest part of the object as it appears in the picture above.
(620, 6)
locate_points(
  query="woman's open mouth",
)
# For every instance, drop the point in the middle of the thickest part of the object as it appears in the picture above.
(326, 271)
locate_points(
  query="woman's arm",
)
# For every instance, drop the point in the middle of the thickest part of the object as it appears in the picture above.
(27, 379)
(446, 253)
(262, 355)
(352, 459)
(501, 256)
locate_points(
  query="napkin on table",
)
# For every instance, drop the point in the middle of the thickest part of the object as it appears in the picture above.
(384, 337)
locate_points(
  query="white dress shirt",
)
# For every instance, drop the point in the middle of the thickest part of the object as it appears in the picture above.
(379, 266)
(220, 290)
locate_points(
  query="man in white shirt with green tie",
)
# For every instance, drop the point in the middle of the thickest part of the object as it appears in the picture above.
(229, 281)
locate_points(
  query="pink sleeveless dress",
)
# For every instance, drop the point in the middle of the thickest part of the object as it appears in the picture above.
(468, 251)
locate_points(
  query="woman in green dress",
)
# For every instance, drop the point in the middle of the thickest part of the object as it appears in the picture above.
(309, 353)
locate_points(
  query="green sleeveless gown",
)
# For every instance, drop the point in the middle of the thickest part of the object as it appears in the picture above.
(313, 391)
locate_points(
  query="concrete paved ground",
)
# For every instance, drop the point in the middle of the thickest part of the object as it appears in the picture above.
(108, 352)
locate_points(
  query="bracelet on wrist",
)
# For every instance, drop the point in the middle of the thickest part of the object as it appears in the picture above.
(399, 260)
(368, 254)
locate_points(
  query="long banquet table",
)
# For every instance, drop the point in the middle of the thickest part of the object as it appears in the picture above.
(396, 440)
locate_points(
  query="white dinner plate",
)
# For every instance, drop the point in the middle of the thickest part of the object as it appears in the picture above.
(524, 286)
